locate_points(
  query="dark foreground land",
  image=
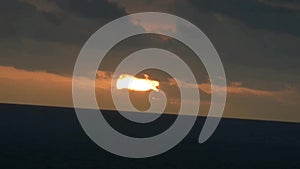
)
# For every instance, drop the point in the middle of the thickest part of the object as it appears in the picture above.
(47, 137)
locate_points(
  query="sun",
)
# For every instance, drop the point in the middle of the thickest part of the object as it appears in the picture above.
(129, 82)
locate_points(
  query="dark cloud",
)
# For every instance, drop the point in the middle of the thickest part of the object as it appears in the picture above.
(9, 12)
(260, 14)
(47, 35)
(62, 22)
(52, 18)
(91, 8)
(293, 5)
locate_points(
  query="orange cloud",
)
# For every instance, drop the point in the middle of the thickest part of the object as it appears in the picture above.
(34, 87)
(235, 88)
(42, 88)
(150, 24)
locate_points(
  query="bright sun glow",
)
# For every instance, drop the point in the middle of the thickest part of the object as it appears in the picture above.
(136, 84)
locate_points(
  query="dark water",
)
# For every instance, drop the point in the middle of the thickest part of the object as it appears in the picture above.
(45, 137)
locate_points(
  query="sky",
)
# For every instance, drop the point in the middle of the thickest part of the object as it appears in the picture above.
(257, 41)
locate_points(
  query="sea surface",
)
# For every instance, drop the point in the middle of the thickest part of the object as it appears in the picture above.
(41, 137)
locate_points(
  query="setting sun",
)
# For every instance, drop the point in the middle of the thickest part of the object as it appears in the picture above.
(136, 84)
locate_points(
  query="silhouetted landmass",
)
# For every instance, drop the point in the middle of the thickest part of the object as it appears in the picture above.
(48, 137)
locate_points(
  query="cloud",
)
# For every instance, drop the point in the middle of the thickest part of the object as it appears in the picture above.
(292, 5)
(250, 103)
(150, 24)
(91, 8)
(236, 88)
(43, 5)
(273, 15)
(133, 6)
(28, 54)
(47, 35)
(62, 20)
(257, 41)
(42, 88)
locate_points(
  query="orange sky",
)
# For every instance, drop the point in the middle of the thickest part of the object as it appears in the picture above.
(42, 88)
